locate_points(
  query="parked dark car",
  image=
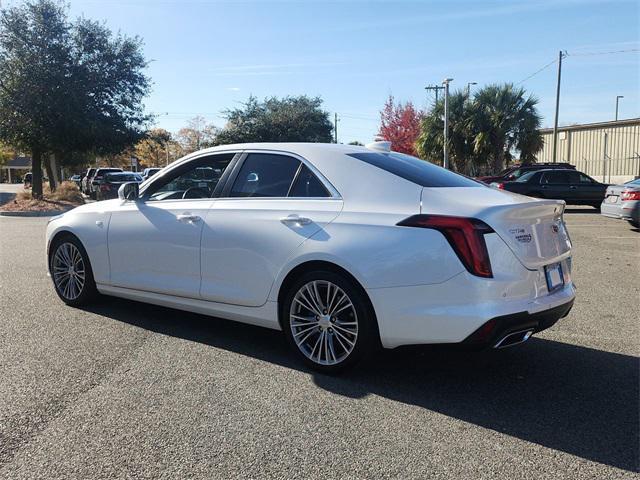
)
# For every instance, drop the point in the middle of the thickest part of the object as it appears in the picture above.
(572, 186)
(110, 183)
(97, 177)
(85, 183)
(514, 172)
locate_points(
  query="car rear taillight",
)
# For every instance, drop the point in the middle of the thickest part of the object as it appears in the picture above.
(105, 188)
(465, 235)
(500, 186)
(630, 195)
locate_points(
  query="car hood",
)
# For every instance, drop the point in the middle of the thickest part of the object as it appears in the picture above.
(97, 207)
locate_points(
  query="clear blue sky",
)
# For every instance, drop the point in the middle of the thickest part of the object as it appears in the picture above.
(209, 55)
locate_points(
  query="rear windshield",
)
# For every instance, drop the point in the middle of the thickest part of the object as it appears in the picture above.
(415, 170)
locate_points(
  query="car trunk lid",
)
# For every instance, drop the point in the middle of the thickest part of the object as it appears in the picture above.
(533, 229)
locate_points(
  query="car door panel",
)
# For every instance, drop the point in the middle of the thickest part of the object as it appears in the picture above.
(245, 242)
(155, 246)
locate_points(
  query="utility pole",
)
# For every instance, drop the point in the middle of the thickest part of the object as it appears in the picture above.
(446, 122)
(618, 97)
(435, 88)
(335, 127)
(561, 55)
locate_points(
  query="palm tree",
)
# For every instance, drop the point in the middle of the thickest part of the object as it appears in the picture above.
(505, 120)
(485, 131)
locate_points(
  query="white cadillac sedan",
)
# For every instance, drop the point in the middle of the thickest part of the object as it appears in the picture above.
(342, 248)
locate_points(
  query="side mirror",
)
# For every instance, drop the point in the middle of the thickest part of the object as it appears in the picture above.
(128, 191)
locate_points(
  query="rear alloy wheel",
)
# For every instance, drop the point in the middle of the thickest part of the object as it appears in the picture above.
(328, 321)
(71, 272)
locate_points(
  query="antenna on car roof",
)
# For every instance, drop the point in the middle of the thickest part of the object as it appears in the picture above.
(379, 144)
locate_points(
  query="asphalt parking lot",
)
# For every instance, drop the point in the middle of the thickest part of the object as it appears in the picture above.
(127, 390)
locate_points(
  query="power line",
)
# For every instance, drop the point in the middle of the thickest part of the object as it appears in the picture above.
(537, 72)
(587, 54)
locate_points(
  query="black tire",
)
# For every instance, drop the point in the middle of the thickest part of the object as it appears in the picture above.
(366, 338)
(88, 292)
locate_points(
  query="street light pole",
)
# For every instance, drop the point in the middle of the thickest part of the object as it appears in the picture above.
(446, 122)
(618, 97)
(469, 88)
(555, 122)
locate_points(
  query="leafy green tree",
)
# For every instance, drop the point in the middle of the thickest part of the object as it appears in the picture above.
(484, 131)
(290, 119)
(34, 60)
(66, 86)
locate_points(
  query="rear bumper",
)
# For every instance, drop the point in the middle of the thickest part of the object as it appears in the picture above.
(621, 210)
(453, 311)
(490, 334)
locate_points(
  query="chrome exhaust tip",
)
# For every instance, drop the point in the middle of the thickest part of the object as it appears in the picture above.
(514, 338)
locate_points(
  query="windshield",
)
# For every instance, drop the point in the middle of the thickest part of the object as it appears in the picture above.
(525, 178)
(633, 182)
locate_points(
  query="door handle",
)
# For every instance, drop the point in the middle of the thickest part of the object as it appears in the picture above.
(296, 220)
(187, 217)
(545, 186)
(572, 187)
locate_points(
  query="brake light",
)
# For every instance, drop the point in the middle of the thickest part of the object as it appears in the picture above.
(465, 235)
(630, 195)
(500, 186)
(105, 188)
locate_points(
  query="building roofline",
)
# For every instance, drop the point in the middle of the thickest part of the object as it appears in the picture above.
(588, 126)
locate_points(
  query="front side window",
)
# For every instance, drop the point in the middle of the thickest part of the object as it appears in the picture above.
(265, 175)
(197, 179)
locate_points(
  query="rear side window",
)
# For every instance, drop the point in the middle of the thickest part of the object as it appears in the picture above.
(265, 175)
(415, 170)
(307, 185)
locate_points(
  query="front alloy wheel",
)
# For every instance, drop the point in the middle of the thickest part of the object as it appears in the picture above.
(71, 272)
(328, 321)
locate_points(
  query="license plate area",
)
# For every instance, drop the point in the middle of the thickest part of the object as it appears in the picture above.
(554, 276)
(612, 199)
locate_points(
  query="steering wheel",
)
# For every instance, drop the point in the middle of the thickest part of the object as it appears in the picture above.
(195, 192)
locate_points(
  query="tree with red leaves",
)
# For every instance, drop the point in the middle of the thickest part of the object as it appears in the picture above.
(400, 124)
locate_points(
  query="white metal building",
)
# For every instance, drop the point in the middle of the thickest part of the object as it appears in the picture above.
(607, 151)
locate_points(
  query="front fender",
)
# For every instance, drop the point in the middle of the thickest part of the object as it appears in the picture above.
(91, 228)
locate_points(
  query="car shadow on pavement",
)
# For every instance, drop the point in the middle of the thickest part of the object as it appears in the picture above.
(574, 399)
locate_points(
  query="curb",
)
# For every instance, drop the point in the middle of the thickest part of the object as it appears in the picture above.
(47, 213)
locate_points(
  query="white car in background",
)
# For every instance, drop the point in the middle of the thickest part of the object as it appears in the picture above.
(622, 201)
(343, 248)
